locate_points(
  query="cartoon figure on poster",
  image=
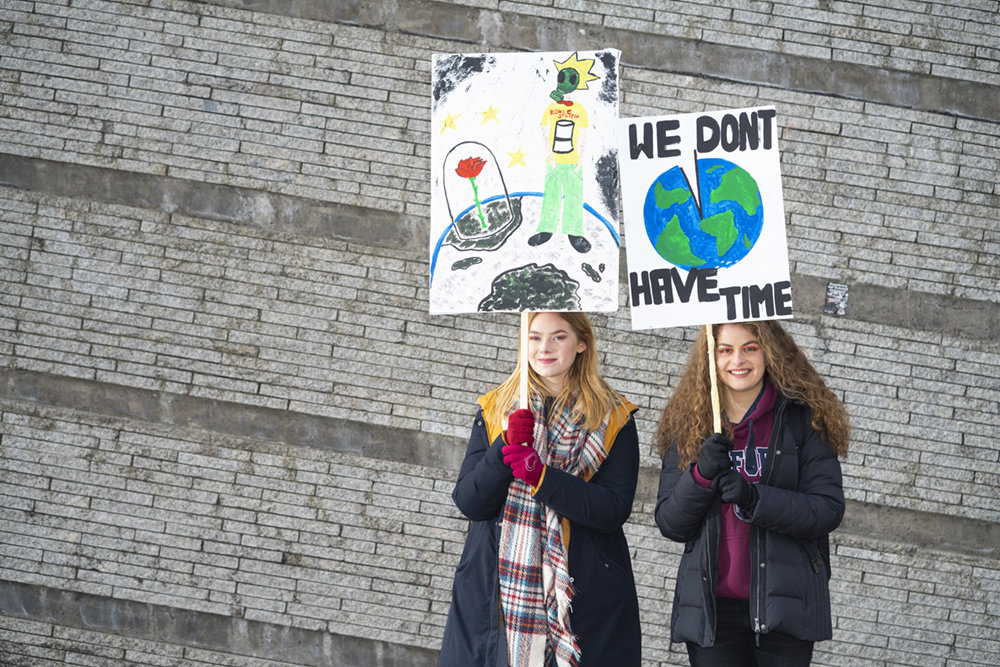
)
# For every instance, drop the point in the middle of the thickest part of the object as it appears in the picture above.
(523, 219)
(705, 218)
(564, 125)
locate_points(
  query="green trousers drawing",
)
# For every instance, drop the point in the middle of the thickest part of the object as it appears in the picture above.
(563, 200)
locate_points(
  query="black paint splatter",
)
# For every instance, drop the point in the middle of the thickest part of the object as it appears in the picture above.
(589, 270)
(451, 71)
(463, 264)
(501, 223)
(609, 85)
(532, 288)
(607, 180)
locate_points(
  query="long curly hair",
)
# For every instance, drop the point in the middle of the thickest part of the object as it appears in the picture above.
(686, 419)
(585, 389)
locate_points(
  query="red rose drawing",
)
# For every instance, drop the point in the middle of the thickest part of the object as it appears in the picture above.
(469, 168)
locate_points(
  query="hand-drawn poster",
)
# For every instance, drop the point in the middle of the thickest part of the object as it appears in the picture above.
(524, 182)
(704, 218)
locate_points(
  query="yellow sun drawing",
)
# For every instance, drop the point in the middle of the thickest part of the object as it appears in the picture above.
(582, 67)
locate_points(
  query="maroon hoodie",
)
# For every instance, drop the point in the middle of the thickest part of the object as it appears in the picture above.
(750, 439)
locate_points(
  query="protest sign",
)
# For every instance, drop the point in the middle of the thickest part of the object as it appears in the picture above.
(704, 218)
(524, 182)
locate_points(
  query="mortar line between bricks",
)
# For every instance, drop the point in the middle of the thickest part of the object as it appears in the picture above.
(215, 632)
(920, 529)
(895, 307)
(675, 55)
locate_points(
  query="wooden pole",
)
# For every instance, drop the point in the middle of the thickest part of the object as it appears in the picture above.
(524, 361)
(716, 411)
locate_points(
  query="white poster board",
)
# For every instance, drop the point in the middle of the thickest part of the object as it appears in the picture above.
(524, 182)
(704, 218)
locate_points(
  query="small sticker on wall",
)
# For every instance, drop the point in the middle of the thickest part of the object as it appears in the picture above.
(836, 299)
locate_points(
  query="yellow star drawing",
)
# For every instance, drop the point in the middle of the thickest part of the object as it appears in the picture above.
(517, 158)
(490, 114)
(449, 122)
(582, 67)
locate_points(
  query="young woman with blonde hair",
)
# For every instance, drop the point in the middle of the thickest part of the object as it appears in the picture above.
(545, 577)
(755, 505)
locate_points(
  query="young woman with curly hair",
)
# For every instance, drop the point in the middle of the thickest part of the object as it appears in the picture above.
(545, 577)
(755, 504)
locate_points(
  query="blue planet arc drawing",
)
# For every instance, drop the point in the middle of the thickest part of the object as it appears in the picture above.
(717, 233)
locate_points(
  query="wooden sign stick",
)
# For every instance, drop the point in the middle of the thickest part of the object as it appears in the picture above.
(524, 360)
(716, 411)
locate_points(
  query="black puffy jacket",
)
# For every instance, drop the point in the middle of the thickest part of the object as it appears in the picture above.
(605, 613)
(801, 503)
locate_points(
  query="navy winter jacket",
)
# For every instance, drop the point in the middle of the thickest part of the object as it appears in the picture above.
(801, 502)
(605, 608)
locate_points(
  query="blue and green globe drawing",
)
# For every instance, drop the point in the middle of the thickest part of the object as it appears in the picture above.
(721, 233)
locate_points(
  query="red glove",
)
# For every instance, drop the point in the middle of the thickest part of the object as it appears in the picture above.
(524, 462)
(520, 428)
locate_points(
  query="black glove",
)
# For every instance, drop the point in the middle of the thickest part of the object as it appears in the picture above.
(714, 456)
(734, 489)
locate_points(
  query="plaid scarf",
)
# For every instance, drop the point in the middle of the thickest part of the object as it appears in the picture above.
(535, 587)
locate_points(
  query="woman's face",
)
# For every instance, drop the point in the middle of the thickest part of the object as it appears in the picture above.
(552, 348)
(739, 360)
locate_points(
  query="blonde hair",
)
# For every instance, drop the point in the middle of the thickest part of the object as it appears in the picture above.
(687, 417)
(585, 389)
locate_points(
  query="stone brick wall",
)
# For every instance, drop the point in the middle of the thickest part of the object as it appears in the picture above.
(228, 426)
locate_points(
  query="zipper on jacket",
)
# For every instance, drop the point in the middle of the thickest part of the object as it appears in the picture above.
(711, 590)
(776, 430)
(760, 577)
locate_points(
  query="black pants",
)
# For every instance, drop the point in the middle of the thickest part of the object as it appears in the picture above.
(736, 643)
